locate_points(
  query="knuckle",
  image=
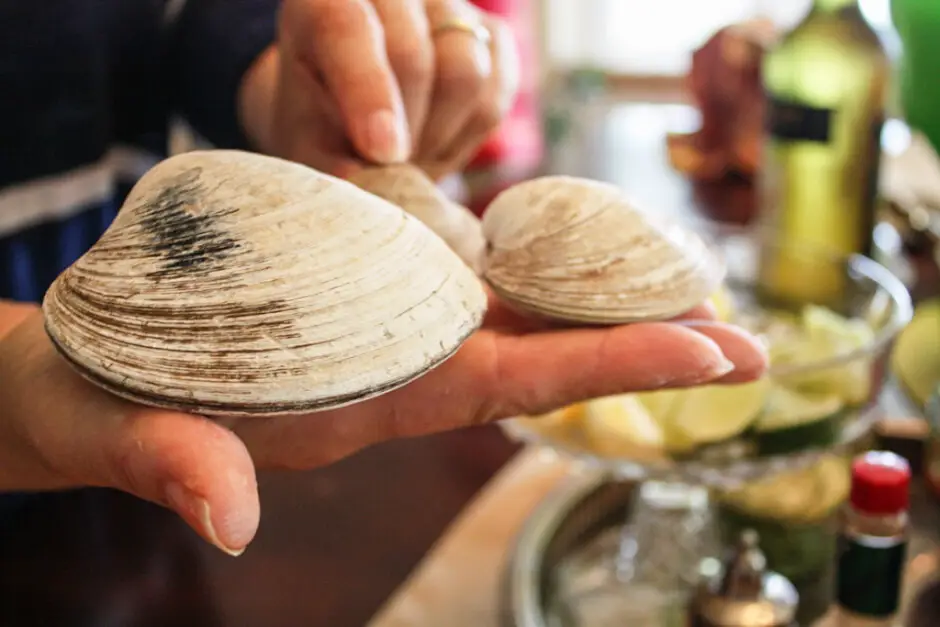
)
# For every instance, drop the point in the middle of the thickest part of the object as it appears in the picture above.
(341, 17)
(489, 116)
(460, 75)
(411, 61)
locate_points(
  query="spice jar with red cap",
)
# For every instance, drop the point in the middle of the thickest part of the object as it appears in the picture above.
(873, 540)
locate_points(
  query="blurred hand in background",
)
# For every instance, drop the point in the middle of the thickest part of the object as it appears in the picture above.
(382, 81)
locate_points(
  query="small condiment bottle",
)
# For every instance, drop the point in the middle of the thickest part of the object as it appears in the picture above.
(741, 592)
(873, 541)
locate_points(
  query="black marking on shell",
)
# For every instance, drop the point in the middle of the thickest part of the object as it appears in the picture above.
(184, 230)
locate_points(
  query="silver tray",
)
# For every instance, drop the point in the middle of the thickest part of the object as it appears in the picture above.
(589, 503)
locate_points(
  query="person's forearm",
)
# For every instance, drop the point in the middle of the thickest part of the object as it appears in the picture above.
(13, 313)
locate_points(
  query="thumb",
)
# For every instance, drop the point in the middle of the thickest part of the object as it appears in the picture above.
(63, 432)
(196, 467)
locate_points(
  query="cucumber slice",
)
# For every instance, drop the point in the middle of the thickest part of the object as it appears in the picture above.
(794, 421)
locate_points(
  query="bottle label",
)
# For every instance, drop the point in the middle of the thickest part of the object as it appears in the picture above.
(869, 575)
(794, 121)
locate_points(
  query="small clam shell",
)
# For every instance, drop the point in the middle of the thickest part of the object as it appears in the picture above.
(578, 251)
(408, 187)
(237, 284)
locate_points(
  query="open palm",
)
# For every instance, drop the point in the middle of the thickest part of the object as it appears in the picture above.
(59, 431)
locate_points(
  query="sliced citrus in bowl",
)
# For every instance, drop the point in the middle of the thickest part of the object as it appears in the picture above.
(713, 413)
(795, 420)
(916, 356)
(621, 426)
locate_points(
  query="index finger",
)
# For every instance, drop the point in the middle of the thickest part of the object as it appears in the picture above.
(343, 41)
(494, 376)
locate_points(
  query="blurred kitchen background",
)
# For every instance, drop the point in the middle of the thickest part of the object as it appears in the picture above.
(667, 99)
(815, 122)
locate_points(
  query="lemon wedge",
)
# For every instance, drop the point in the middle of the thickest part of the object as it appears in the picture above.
(561, 423)
(621, 426)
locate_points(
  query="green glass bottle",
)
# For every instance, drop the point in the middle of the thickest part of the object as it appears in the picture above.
(826, 87)
(918, 25)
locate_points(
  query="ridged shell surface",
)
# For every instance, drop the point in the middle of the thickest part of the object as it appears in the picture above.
(237, 284)
(408, 187)
(578, 251)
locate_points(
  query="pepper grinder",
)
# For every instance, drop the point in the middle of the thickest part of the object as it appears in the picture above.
(741, 592)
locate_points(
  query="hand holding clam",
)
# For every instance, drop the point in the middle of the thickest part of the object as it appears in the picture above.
(256, 292)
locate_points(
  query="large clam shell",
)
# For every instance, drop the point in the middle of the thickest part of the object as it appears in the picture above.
(578, 251)
(237, 284)
(414, 191)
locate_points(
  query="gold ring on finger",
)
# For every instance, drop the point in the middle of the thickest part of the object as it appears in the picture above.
(477, 31)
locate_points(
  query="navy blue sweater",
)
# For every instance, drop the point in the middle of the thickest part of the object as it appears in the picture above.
(88, 89)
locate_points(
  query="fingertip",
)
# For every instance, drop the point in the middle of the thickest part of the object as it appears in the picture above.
(383, 136)
(198, 468)
(543, 371)
(687, 358)
(230, 534)
(744, 350)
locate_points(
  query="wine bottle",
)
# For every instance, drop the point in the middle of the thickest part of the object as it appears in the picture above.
(825, 84)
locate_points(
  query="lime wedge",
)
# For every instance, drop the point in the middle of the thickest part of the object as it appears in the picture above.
(788, 408)
(833, 477)
(713, 413)
(822, 335)
(803, 496)
(916, 356)
(621, 426)
(833, 335)
(827, 326)
(794, 420)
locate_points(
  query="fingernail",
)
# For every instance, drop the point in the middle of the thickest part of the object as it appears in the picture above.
(722, 367)
(195, 510)
(718, 364)
(387, 137)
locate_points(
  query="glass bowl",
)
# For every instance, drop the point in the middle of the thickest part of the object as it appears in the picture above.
(671, 526)
(768, 278)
